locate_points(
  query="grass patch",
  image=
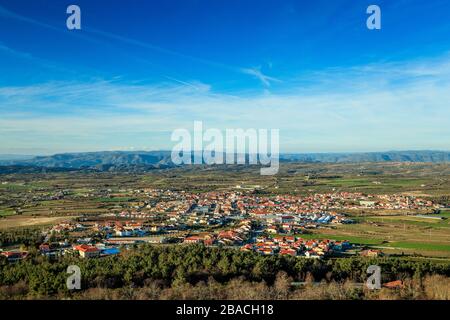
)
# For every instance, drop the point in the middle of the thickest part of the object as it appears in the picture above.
(444, 213)
(6, 212)
(352, 239)
(419, 246)
(408, 220)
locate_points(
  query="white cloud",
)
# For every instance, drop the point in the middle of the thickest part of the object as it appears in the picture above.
(374, 107)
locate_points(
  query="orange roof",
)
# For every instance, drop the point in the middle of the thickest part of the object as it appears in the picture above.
(393, 284)
(14, 254)
(193, 238)
(86, 248)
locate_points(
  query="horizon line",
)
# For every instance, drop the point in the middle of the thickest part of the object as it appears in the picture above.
(195, 151)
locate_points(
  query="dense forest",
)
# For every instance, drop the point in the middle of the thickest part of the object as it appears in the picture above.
(198, 272)
(26, 237)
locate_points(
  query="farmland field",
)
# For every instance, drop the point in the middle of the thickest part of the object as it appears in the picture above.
(27, 221)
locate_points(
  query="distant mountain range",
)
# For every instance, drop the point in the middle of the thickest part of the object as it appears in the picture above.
(103, 160)
(389, 156)
(117, 160)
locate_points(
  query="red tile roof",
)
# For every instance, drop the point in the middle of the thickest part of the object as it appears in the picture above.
(393, 284)
(86, 248)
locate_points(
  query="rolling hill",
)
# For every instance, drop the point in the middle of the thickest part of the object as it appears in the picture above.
(112, 160)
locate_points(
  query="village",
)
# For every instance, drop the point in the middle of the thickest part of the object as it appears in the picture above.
(274, 225)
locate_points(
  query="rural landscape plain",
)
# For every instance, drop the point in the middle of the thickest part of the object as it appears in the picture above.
(224, 156)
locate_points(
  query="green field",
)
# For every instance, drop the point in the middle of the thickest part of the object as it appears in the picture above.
(352, 239)
(7, 212)
(419, 246)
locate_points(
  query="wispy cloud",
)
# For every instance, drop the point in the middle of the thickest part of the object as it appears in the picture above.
(372, 107)
(258, 74)
(196, 86)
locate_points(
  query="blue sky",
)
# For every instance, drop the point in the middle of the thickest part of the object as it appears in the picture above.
(140, 69)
